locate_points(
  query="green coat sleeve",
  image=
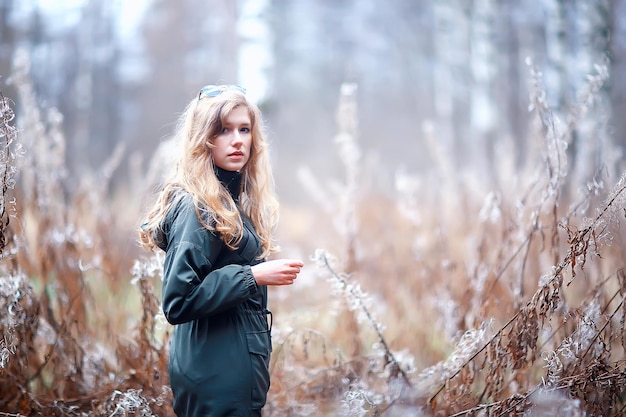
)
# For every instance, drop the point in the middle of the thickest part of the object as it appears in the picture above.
(192, 287)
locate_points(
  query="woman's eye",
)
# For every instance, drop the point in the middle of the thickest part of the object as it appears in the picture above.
(244, 130)
(224, 130)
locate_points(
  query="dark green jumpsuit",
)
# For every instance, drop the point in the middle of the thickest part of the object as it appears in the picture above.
(220, 347)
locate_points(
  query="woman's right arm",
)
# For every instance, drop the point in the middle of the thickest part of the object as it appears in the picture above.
(192, 288)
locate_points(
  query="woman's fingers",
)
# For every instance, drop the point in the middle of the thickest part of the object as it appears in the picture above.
(294, 263)
(292, 269)
(294, 266)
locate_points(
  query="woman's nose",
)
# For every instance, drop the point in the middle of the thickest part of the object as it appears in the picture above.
(237, 140)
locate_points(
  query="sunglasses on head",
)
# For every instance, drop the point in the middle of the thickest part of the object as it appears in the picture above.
(216, 90)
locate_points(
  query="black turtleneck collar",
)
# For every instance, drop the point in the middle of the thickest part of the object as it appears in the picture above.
(231, 180)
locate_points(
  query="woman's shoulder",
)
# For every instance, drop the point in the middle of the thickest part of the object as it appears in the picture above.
(180, 205)
(184, 208)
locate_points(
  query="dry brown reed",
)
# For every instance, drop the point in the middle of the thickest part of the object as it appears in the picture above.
(531, 296)
(61, 354)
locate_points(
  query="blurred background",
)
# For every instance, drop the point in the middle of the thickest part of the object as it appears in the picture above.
(120, 72)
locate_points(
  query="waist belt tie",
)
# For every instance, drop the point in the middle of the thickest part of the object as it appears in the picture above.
(271, 318)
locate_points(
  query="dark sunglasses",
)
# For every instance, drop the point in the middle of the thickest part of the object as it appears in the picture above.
(216, 90)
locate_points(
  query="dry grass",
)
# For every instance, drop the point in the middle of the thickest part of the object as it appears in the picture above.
(451, 301)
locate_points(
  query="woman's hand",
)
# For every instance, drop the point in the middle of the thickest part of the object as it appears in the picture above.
(277, 271)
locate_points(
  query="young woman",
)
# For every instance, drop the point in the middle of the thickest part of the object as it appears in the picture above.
(214, 218)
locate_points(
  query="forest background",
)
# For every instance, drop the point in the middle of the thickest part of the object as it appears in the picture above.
(460, 160)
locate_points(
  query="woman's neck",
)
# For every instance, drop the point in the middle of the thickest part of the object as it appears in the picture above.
(231, 180)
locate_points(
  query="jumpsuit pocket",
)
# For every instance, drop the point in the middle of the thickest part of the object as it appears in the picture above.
(260, 347)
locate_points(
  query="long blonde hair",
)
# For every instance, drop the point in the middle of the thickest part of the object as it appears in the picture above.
(194, 173)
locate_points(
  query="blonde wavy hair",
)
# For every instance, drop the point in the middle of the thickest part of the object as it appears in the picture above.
(194, 173)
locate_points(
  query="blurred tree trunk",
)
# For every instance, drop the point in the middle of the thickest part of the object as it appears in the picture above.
(617, 82)
(444, 47)
(512, 85)
(590, 141)
(16, 32)
(446, 149)
(555, 74)
(94, 110)
(483, 66)
(7, 45)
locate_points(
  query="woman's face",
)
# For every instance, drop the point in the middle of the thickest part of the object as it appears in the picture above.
(232, 146)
